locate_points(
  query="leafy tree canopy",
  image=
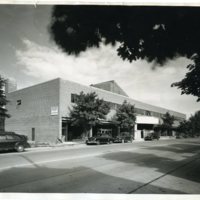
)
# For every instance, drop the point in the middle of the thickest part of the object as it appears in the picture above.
(194, 122)
(151, 33)
(125, 116)
(168, 121)
(88, 110)
(184, 127)
(191, 126)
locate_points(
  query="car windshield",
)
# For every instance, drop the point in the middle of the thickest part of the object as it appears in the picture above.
(2, 137)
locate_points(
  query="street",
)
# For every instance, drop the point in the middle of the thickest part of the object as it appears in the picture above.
(151, 167)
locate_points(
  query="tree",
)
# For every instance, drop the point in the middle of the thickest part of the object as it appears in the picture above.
(168, 121)
(152, 33)
(88, 110)
(190, 127)
(184, 127)
(194, 121)
(125, 117)
(3, 102)
(191, 83)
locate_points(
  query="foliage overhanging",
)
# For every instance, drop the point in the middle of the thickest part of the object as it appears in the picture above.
(152, 33)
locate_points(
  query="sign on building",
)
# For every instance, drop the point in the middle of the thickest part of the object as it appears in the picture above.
(54, 110)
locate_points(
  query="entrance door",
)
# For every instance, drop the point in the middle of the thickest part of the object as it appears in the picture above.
(142, 134)
(33, 134)
(64, 131)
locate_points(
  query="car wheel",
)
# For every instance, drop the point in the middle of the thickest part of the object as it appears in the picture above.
(20, 148)
(98, 142)
(110, 141)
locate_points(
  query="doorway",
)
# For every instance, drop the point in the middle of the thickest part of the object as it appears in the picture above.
(33, 134)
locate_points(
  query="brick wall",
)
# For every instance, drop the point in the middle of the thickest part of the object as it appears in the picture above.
(34, 111)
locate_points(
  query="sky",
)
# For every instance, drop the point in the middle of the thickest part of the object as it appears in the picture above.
(29, 56)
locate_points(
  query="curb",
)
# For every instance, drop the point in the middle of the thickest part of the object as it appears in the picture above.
(52, 147)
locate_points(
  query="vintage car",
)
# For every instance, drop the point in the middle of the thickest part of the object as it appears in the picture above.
(152, 136)
(100, 139)
(13, 141)
(118, 139)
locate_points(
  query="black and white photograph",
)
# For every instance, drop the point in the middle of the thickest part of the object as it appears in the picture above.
(99, 99)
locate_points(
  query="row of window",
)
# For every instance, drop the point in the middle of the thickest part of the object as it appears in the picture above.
(148, 113)
(115, 106)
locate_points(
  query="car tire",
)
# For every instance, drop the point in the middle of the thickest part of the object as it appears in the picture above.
(19, 148)
(110, 142)
(98, 142)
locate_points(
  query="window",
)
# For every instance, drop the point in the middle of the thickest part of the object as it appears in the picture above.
(155, 114)
(113, 106)
(10, 137)
(148, 113)
(139, 111)
(74, 98)
(19, 102)
(2, 137)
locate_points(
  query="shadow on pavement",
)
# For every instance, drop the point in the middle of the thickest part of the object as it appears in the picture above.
(178, 148)
(75, 180)
(161, 164)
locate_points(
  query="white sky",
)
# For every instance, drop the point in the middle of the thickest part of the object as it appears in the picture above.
(28, 56)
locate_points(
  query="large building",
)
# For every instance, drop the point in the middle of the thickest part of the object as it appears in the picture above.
(42, 111)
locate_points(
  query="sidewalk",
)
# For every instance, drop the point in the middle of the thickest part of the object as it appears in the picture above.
(65, 145)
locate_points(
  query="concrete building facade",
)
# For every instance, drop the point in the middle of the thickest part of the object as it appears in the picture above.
(41, 111)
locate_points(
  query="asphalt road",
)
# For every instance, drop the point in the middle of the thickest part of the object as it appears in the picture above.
(154, 167)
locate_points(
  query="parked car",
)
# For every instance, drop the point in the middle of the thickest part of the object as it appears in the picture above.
(124, 137)
(178, 137)
(152, 136)
(148, 137)
(185, 136)
(100, 139)
(13, 141)
(118, 139)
